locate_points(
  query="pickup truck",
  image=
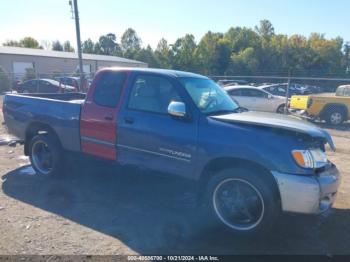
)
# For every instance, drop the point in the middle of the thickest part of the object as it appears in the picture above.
(333, 108)
(249, 166)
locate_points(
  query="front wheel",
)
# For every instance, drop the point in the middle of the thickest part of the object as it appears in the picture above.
(243, 201)
(46, 155)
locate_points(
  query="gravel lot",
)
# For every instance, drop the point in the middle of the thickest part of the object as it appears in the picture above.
(105, 210)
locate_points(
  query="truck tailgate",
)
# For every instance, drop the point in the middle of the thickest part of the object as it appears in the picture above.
(299, 102)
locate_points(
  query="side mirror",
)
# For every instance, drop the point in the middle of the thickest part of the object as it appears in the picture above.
(177, 109)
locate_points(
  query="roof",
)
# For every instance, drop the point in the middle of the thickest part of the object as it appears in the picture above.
(167, 72)
(58, 54)
(237, 87)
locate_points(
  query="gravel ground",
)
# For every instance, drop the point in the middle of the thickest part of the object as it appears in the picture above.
(103, 210)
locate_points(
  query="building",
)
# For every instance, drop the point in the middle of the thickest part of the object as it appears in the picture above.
(46, 63)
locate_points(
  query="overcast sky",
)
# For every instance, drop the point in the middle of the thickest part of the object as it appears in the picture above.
(154, 19)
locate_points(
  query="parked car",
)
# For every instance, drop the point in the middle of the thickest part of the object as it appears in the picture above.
(249, 166)
(281, 89)
(256, 99)
(230, 82)
(343, 91)
(75, 82)
(43, 86)
(333, 108)
(69, 80)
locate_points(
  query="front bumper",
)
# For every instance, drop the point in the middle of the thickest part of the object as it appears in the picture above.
(308, 194)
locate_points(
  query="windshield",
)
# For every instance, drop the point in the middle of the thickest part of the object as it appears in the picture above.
(208, 96)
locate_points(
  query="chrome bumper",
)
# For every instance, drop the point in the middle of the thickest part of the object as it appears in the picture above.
(308, 194)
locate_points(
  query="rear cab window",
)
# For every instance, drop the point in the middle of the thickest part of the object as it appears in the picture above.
(108, 89)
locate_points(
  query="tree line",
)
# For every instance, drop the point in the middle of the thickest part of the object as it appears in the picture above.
(239, 51)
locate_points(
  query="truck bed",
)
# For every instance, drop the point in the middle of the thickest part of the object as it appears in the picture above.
(59, 111)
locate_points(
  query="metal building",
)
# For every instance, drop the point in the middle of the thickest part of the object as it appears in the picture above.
(16, 60)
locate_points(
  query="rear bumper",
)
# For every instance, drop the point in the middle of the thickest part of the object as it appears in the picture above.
(301, 113)
(308, 194)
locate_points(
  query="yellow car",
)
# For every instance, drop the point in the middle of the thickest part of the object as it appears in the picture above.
(333, 108)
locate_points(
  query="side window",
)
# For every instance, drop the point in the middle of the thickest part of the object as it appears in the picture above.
(235, 92)
(152, 94)
(347, 91)
(255, 93)
(245, 92)
(108, 89)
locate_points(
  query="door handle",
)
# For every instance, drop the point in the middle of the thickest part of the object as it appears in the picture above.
(108, 118)
(128, 120)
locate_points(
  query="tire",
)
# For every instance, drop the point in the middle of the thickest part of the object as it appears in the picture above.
(46, 155)
(264, 207)
(335, 116)
(280, 109)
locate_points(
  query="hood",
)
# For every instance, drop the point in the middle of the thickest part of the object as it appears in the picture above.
(277, 121)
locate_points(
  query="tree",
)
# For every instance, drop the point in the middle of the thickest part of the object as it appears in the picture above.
(108, 45)
(163, 54)
(184, 53)
(88, 46)
(346, 59)
(130, 43)
(57, 46)
(12, 43)
(147, 55)
(46, 44)
(245, 62)
(213, 54)
(265, 29)
(67, 47)
(27, 42)
(30, 42)
(4, 81)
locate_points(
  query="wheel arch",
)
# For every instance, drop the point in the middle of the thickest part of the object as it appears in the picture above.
(222, 163)
(36, 128)
(280, 105)
(329, 107)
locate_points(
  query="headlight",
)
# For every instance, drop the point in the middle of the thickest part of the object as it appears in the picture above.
(313, 158)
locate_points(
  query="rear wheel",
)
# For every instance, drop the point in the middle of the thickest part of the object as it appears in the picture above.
(46, 155)
(242, 201)
(280, 109)
(335, 116)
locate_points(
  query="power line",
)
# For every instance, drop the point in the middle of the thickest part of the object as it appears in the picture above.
(285, 78)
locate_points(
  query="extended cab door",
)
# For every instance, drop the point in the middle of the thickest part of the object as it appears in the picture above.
(147, 135)
(99, 115)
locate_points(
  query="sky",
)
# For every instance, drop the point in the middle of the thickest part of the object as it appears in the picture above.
(155, 19)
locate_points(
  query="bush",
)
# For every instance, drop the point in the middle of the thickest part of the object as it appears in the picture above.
(4, 81)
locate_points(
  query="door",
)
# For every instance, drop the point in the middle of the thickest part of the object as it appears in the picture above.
(47, 87)
(258, 99)
(98, 117)
(242, 96)
(148, 136)
(30, 86)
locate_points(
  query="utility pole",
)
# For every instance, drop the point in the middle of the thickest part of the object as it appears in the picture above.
(287, 94)
(77, 29)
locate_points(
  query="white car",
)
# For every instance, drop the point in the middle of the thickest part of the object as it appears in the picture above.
(256, 99)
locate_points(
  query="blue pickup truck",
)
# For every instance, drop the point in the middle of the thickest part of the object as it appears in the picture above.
(249, 166)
